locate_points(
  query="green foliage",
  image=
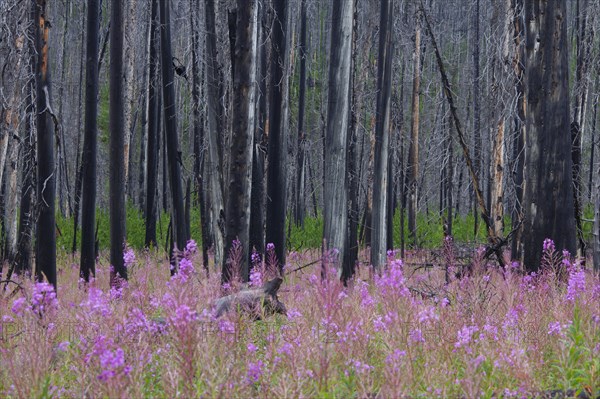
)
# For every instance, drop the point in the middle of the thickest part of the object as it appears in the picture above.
(577, 364)
(135, 225)
(310, 236)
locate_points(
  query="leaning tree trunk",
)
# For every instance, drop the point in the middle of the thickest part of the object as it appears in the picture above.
(46, 233)
(380, 173)
(88, 206)
(240, 174)
(277, 154)
(179, 227)
(117, 141)
(153, 129)
(334, 186)
(548, 198)
(217, 208)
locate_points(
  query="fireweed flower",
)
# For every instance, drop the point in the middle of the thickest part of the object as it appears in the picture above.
(256, 278)
(416, 335)
(576, 284)
(97, 303)
(255, 371)
(191, 248)
(128, 257)
(555, 328)
(18, 306)
(393, 280)
(465, 337)
(251, 348)
(270, 247)
(43, 298)
(549, 245)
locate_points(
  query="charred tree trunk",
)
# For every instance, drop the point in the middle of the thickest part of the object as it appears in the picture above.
(519, 125)
(548, 197)
(179, 228)
(46, 233)
(477, 153)
(217, 207)
(380, 175)
(413, 153)
(277, 154)
(240, 174)
(153, 129)
(352, 176)
(88, 212)
(22, 262)
(584, 41)
(257, 205)
(300, 165)
(198, 135)
(117, 141)
(334, 187)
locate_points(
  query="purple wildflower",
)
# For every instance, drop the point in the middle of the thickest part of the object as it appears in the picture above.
(128, 257)
(255, 371)
(43, 298)
(18, 306)
(576, 284)
(416, 335)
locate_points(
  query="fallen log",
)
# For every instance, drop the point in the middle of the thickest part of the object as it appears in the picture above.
(256, 302)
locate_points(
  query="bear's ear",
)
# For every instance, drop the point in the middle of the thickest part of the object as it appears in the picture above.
(271, 287)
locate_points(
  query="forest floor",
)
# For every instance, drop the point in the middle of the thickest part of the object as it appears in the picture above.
(404, 332)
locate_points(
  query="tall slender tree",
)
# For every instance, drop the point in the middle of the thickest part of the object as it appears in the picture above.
(257, 205)
(277, 155)
(117, 141)
(334, 185)
(300, 159)
(240, 173)
(46, 233)
(153, 128)
(548, 197)
(198, 123)
(88, 211)
(178, 224)
(413, 152)
(215, 179)
(382, 126)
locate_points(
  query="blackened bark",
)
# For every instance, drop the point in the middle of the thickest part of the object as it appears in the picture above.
(380, 175)
(88, 210)
(240, 174)
(277, 155)
(198, 136)
(46, 232)
(548, 196)
(413, 152)
(215, 183)
(300, 159)
(153, 129)
(519, 126)
(179, 228)
(352, 177)
(257, 204)
(117, 141)
(335, 188)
